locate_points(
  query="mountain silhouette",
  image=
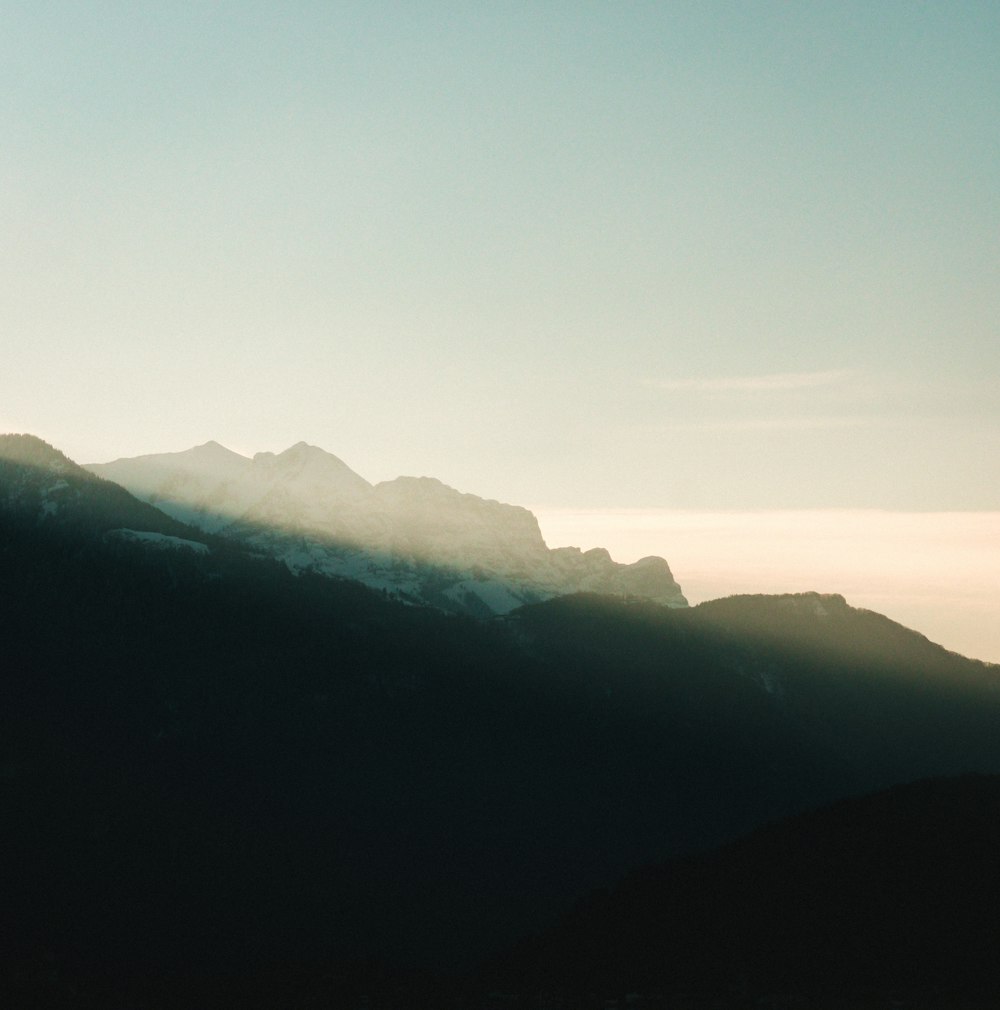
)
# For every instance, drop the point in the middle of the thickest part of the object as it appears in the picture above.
(224, 782)
(43, 485)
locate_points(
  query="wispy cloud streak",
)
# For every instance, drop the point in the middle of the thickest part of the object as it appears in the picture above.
(773, 423)
(775, 382)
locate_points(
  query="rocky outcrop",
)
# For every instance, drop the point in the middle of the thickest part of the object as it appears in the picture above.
(649, 578)
(413, 537)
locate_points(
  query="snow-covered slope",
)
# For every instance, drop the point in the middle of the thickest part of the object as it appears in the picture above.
(160, 541)
(413, 537)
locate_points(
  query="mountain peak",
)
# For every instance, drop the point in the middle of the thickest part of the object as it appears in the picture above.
(413, 535)
(210, 450)
(47, 487)
(312, 462)
(30, 450)
(303, 450)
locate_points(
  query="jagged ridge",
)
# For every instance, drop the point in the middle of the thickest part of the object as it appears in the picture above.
(414, 537)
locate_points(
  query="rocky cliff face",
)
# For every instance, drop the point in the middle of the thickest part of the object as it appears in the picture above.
(413, 537)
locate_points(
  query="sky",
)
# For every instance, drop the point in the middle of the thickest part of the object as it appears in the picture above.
(935, 572)
(654, 255)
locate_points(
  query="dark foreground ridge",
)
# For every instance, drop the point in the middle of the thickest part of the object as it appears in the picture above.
(891, 899)
(223, 784)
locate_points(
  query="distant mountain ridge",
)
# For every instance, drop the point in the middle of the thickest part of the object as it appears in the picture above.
(413, 537)
(221, 782)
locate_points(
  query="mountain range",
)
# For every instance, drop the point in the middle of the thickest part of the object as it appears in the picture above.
(414, 537)
(225, 780)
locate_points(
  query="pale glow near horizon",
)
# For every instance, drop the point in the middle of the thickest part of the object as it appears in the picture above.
(935, 572)
(696, 256)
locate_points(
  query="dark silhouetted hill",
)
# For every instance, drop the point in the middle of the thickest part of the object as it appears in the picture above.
(40, 487)
(222, 784)
(890, 899)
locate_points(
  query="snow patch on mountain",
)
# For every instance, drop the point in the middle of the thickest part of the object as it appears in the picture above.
(158, 540)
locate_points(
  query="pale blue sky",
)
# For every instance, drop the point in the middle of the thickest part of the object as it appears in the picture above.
(693, 255)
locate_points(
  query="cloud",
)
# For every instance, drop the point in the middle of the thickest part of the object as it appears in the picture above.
(773, 424)
(775, 382)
